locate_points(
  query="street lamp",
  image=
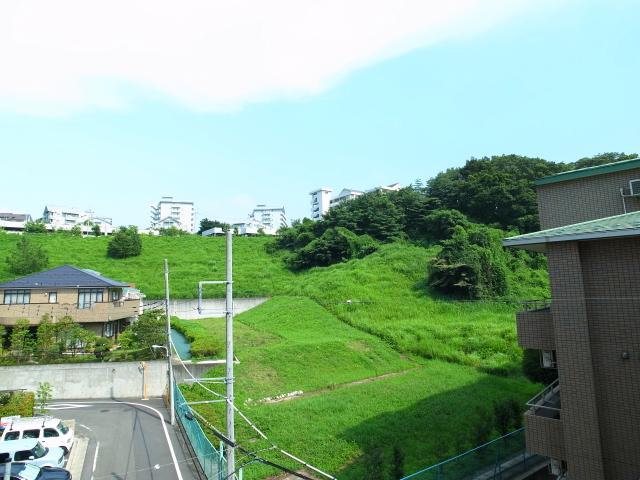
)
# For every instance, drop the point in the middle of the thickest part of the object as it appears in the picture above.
(171, 399)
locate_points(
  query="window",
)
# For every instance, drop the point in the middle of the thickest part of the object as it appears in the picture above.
(115, 295)
(12, 297)
(50, 433)
(53, 297)
(63, 428)
(31, 434)
(22, 455)
(108, 329)
(89, 296)
(5, 458)
(12, 436)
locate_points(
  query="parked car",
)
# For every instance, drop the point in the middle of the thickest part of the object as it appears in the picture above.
(31, 451)
(49, 430)
(26, 471)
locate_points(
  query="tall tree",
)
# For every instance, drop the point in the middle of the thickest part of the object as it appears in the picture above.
(126, 242)
(27, 257)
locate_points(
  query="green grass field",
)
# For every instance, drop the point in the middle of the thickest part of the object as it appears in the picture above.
(382, 361)
(358, 392)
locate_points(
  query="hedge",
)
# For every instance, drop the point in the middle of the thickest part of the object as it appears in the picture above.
(17, 403)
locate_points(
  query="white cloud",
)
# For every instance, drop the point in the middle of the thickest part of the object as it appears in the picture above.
(66, 55)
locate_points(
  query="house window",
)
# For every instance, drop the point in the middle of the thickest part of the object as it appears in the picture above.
(108, 329)
(53, 297)
(12, 297)
(115, 295)
(89, 296)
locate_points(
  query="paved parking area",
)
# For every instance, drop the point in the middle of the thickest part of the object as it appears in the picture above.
(127, 440)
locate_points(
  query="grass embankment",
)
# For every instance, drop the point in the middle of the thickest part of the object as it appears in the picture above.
(313, 340)
(358, 392)
(191, 259)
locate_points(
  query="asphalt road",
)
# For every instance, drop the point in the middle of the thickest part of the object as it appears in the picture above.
(127, 441)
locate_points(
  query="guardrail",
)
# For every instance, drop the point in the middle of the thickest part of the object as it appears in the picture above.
(499, 459)
(548, 400)
(531, 305)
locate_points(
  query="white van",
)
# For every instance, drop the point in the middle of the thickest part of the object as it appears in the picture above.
(49, 430)
(31, 451)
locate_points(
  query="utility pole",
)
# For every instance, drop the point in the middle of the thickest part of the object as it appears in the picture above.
(166, 311)
(231, 454)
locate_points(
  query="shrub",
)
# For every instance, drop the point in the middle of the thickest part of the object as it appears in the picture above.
(148, 330)
(125, 243)
(27, 257)
(335, 245)
(35, 227)
(76, 231)
(472, 263)
(439, 224)
(95, 229)
(17, 403)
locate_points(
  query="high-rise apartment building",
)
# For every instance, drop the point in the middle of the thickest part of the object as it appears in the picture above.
(320, 199)
(587, 421)
(172, 213)
(270, 217)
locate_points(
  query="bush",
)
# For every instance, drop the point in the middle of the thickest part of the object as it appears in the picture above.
(439, 224)
(17, 403)
(148, 330)
(472, 264)
(125, 243)
(335, 245)
(27, 257)
(35, 227)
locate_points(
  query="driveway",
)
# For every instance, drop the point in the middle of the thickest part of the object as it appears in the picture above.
(127, 440)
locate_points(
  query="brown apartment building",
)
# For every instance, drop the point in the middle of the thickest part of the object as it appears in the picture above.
(98, 303)
(588, 421)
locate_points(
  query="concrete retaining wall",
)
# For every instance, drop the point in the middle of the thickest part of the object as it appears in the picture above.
(188, 309)
(90, 380)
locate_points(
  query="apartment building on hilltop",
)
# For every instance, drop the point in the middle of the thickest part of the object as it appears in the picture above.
(65, 218)
(271, 218)
(588, 421)
(14, 222)
(321, 200)
(173, 213)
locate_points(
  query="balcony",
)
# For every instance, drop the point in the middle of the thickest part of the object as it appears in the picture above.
(535, 326)
(96, 312)
(543, 425)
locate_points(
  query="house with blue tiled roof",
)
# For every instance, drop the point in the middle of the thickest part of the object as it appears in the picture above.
(100, 304)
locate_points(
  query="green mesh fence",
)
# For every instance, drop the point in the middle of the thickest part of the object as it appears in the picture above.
(210, 459)
(500, 459)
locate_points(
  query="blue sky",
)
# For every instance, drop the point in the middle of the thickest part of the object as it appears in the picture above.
(558, 81)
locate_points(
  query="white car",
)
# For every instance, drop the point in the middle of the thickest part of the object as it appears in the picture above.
(31, 451)
(50, 431)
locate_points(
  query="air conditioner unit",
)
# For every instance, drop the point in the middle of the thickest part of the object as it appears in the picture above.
(548, 359)
(634, 187)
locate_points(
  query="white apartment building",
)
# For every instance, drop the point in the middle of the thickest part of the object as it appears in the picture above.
(272, 218)
(14, 222)
(64, 218)
(320, 202)
(172, 213)
(344, 195)
(252, 227)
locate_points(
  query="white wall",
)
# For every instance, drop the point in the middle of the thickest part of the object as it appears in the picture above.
(90, 380)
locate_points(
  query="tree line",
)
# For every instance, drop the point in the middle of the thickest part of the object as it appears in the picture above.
(467, 211)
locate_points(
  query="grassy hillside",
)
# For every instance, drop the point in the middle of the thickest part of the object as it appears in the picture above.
(191, 259)
(359, 393)
(381, 360)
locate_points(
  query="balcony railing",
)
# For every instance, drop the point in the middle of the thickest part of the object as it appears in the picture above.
(533, 305)
(547, 402)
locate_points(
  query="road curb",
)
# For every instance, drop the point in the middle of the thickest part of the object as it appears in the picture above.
(75, 463)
